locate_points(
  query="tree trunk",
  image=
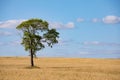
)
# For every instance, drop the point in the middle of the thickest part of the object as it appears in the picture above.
(32, 62)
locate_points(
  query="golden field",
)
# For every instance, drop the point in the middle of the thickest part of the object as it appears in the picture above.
(18, 68)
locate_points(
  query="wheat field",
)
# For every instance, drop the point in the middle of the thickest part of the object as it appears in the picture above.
(18, 68)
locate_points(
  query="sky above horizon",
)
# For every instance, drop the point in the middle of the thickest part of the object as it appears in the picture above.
(88, 28)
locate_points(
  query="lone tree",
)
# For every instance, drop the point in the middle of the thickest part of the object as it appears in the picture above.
(35, 34)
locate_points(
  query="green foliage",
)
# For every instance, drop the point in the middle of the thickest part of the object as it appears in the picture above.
(51, 37)
(36, 33)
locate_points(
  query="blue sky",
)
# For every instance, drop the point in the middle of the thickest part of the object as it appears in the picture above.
(88, 29)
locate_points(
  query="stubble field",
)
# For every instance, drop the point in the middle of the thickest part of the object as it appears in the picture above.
(18, 68)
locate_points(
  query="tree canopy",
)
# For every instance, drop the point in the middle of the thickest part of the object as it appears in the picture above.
(35, 34)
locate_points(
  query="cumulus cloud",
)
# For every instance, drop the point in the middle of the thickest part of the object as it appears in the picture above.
(14, 23)
(97, 43)
(111, 19)
(10, 23)
(59, 25)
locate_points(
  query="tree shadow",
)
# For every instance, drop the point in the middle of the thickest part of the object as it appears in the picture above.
(34, 67)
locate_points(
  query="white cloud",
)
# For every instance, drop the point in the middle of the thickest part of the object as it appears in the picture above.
(80, 20)
(5, 34)
(95, 20)
(91, 43)
(98, 51)
(14, 23)
(70, 25)
(97, 43)
(63, 42)
(111, 19)
(10, 23)
(59, 25)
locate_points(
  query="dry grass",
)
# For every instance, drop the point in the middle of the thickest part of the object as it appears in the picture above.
(17, 68)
